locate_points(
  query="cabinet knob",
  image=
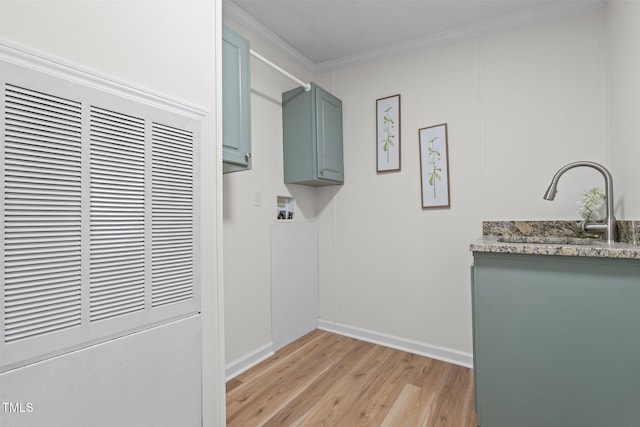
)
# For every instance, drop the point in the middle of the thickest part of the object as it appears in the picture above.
(247, 156)
(322, 171)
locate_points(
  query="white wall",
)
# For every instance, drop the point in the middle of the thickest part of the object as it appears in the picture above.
(624, 77)
(247, 256)
(168, 48)
(518, 105)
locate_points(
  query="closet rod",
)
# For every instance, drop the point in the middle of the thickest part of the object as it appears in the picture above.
(306, 86)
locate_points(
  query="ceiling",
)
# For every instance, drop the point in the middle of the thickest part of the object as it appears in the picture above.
(328, 34)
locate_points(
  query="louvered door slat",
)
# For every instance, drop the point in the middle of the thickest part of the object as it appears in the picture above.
(37, 137)
(173, 155)
(42, 204)
(165, 283)
(172, 213)
(120, 283)
(35, 318)
(117, 214)
(40, 121)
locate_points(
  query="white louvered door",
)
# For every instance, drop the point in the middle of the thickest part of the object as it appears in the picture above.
(98, 215)
(42, 213)
(117, 223)
(172, 240)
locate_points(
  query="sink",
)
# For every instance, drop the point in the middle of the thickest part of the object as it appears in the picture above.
(550, 240)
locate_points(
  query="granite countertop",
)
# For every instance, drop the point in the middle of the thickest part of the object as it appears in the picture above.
(560, 238)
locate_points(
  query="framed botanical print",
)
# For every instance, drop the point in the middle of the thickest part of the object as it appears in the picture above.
(388, 134)
(434, 166)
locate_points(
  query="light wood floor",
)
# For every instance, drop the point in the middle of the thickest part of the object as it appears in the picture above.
(324, 379)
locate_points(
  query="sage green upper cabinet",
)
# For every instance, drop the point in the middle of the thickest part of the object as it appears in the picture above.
(236, 102)
(312, 137)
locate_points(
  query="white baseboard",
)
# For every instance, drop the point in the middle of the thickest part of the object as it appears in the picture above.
(435, 352)
(250, 360)
(456, 357)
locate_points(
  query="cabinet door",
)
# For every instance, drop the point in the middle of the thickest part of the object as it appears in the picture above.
(329, 136)
(236, 106)
(557, 340)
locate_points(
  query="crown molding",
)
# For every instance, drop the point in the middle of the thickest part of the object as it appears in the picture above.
(234, 12)
(538, 14)
(535, 15)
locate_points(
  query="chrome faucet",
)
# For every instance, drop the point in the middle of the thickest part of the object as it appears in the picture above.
(609, 227)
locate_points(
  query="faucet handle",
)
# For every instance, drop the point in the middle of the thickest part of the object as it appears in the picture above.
(582, 225)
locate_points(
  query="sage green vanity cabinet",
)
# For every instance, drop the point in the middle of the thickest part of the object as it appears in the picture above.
(312, 137)
(236, 102)
(556, 340)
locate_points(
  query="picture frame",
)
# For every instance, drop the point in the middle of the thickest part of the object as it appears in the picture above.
(388, 144)
(434, 166)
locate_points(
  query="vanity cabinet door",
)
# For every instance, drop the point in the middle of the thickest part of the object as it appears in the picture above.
(556, 340)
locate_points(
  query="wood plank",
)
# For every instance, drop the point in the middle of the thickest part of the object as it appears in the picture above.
(279, 382)
(232, 384)
(324, 386)
(411, 408)
(346, 391)
(457, 387)
(379, 399)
